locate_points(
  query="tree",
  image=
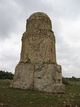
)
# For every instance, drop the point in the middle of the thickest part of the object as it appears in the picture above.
(6, 75)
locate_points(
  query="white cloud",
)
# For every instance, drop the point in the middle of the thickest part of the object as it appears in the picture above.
(69, 49)
(65, 17)
(10, 53)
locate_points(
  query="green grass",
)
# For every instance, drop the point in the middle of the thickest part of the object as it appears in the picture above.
(10, 97)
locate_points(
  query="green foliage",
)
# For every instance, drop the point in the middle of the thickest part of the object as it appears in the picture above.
(65, 81)
(71, 81)
(74, 79)
(5, 75)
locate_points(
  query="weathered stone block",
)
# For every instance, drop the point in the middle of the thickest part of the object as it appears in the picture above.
(45, 78)
(23, 77)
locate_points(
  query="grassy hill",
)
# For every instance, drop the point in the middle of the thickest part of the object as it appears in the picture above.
(10, 97)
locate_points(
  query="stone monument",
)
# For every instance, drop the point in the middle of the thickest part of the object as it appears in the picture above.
(37, 68)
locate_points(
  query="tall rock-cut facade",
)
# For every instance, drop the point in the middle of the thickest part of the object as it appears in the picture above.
(37, 68)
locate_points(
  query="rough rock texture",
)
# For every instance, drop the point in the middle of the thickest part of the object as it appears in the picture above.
(38, 42)
(23, 77)
(46, 78)
(37, 68)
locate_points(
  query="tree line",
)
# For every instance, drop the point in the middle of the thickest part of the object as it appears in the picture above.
(6, 75)
(71, 80)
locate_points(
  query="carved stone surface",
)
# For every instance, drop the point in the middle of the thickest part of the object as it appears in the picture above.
(38, 42)
(37, 68)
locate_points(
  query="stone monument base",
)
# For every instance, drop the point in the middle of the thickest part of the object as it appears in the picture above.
(44, 77)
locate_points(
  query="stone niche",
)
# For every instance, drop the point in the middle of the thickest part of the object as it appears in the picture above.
(37, 68)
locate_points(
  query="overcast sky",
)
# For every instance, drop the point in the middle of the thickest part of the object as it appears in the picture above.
(65, 17)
